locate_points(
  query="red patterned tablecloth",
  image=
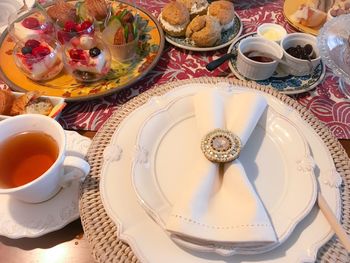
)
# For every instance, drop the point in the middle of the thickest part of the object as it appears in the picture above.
(326, 101)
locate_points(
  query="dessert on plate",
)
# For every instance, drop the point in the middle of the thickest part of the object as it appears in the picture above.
(86, 58)
(22, 26)
(314, 13)
(195, 7)
(224, 12)
(62, 11)
(204, 31)
(66, 31)
(121, 35)
(31, 102)
(174, 19)
(39, 58)
(6, 100)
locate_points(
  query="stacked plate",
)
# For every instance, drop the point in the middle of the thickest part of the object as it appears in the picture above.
(143, 174)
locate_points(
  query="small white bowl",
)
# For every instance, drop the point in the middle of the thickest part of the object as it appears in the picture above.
(273, 32)
(300, 67)
(252, 69)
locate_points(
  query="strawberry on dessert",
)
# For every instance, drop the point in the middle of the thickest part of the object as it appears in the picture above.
(39, 59)
(35, 24)
(69, 29)
(87, 58)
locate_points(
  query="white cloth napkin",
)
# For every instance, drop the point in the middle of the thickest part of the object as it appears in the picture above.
(219, 204)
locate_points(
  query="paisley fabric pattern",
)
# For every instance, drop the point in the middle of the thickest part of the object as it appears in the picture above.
(326, 101)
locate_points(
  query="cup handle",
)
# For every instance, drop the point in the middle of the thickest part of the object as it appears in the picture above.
(75, 169)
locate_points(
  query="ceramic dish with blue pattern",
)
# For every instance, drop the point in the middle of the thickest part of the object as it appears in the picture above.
(281, 81)
(227, 37)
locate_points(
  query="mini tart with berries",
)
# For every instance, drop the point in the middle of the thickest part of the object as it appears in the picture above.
(70, 28)
(35, 24)
(87, 58)
(39, 59)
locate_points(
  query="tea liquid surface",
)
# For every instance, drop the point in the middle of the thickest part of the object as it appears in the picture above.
(26, 156)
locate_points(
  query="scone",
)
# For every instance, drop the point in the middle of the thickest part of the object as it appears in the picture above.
(174, 19)
(195, 7)
(224, 12)
(205, 31)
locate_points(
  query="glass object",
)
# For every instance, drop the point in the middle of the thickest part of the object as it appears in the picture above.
(39, 57)
(87, 58)
(23, 25)
(334, 44)
(69, 29)
(121, 34)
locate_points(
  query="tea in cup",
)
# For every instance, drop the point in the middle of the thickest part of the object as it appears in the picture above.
(32, 158)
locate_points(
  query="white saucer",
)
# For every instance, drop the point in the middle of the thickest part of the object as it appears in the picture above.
(19, 219)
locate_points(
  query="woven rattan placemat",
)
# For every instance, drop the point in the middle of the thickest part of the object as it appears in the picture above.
(101, 231)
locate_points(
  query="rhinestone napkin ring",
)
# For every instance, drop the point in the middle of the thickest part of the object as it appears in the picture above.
(221, 146)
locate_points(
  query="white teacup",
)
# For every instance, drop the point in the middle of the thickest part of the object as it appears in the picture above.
(256, 70)
(50, 182)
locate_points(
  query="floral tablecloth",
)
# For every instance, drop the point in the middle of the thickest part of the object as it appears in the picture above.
(326, 101)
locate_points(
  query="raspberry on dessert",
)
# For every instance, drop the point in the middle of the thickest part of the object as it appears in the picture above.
(32, 43)
(86, 25)
(76, 54)
(30, 22)
(41, 51)
(69, 26)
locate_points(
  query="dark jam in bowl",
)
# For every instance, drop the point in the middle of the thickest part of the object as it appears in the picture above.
(302, 52)
(262, 59)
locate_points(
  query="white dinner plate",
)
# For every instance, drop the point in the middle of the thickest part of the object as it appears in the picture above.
(149, 241)
(19, 219)
(169, 138)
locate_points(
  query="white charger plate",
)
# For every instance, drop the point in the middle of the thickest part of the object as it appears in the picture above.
(149, 241)
(19, 219)
(169, 138)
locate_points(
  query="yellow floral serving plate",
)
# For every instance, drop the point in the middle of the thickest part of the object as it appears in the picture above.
(289, 8)
(149, 50)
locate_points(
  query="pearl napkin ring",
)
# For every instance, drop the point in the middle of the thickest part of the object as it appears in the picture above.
(221, 146)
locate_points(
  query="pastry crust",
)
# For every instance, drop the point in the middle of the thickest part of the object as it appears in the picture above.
(204, 30)
(62, 11)
(6, 100)
(175, 14)
(174, 19)
(223, 11)
(97, 8)
(21, 102)
(195, 7)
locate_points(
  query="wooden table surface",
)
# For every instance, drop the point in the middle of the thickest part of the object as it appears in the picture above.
(67, 245)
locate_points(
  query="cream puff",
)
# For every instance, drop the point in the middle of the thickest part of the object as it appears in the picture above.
(174, 19)
(195, 7)
(224, 12)
(204, 31)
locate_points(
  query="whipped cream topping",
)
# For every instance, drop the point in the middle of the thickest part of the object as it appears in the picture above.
(199, 6)
(170, 27)
(227, 26)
